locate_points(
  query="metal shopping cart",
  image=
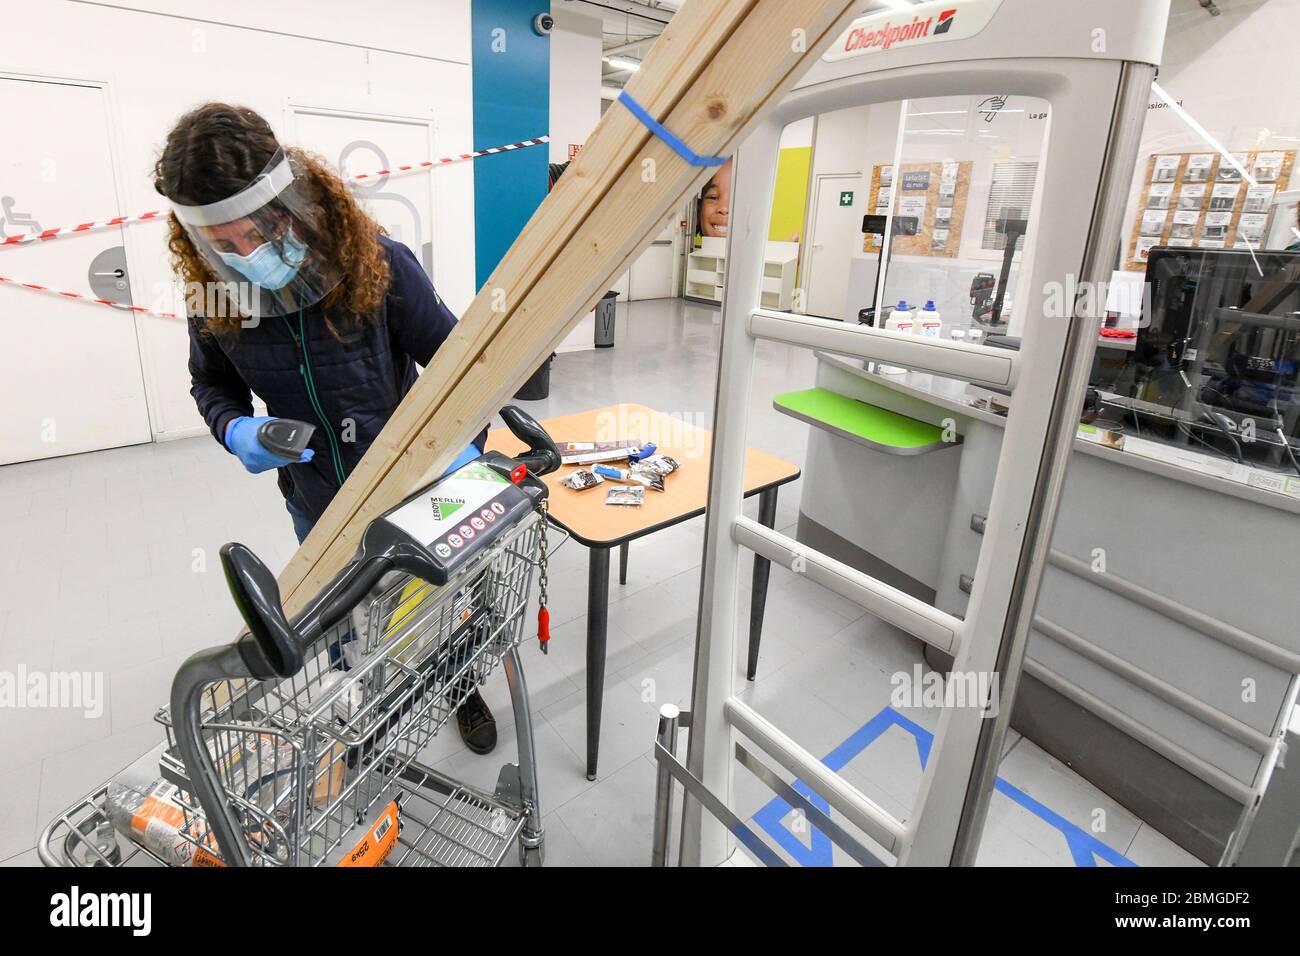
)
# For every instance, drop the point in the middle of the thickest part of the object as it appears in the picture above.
(298, 744)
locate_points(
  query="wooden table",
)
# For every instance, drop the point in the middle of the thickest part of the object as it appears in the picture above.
(586, 517)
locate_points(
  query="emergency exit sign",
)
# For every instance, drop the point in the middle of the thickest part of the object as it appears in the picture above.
(846, 199)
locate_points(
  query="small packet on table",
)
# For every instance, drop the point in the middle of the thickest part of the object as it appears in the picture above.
(581, 480)
(624, 495)
(651, 471)
(648, 479)
(660, 465)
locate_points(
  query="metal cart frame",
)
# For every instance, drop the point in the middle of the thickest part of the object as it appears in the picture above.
(281, 747)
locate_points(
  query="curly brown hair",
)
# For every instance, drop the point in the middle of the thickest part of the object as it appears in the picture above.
(216, 150)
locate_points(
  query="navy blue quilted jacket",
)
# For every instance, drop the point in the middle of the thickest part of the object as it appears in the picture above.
(347, 389)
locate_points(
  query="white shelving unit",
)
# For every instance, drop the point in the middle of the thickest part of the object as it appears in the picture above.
(706, 272)
(778, 275)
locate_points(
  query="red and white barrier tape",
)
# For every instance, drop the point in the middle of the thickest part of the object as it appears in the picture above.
(58, 231)
(33, 287)
(61, 231)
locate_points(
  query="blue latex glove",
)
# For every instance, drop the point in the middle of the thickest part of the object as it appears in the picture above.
(241, 438)
(464, 458)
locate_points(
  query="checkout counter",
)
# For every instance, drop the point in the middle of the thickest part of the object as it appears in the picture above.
(1163, 661)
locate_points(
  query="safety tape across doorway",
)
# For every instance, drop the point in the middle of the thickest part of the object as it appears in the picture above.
(93, 225)
(79, 297)
(59, 232)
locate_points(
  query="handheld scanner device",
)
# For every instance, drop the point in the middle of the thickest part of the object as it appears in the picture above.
(284, 436)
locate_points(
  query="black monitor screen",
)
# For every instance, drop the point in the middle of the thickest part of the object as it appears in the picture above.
(1221, 335)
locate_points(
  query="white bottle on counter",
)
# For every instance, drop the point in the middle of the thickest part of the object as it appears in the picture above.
(900, 320)
(928, 322)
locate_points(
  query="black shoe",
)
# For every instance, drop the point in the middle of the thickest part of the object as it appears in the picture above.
(478, 728)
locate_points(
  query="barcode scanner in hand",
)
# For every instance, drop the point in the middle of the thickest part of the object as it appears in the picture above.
(284, 436)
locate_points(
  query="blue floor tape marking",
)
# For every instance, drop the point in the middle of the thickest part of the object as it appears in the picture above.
(1084, 847)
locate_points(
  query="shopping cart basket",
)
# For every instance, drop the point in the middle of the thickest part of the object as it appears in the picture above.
(298, 744)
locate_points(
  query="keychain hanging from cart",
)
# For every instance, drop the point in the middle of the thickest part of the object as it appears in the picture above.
(543, 613)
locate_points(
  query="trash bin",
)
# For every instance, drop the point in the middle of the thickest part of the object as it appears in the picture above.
(605, 320)
(538, 385)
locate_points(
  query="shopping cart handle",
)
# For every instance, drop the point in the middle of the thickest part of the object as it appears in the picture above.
(275, 650)
(542, 456)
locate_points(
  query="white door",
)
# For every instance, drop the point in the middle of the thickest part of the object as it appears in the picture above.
(652, 272)
(836, 227)
(71, 370)
(357, 143)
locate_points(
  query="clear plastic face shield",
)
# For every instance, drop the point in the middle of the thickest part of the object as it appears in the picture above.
(262, 244)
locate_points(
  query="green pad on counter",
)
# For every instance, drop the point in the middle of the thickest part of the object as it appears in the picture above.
(876, 427)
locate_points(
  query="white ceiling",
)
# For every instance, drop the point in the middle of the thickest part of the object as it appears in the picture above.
(624, 22)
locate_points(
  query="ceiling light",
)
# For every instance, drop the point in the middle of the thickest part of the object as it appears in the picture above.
(622, 63)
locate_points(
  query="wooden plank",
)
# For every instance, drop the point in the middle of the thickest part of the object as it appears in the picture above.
(710, 75)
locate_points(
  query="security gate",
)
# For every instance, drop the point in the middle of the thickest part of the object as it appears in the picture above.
(1094, 64)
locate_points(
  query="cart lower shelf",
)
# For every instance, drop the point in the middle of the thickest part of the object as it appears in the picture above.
(444, 823)
(462, 828)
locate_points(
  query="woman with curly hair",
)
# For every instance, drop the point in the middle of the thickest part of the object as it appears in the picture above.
(295, 294)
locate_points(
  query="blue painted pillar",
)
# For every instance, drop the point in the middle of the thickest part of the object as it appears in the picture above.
(511, 68)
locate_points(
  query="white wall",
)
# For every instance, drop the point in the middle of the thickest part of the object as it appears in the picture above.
(576, 44)
(413, 59)
(575, 80)
(798, 134)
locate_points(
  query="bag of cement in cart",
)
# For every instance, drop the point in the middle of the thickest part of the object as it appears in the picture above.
(146, 810)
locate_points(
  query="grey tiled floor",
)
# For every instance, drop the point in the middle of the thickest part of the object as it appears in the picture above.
(109, 563)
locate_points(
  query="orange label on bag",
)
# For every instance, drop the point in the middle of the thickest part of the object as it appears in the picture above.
(379, 840)
(158, 808)
(203, 858)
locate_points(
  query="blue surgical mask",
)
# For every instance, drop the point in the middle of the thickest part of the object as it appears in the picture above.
(265, 266)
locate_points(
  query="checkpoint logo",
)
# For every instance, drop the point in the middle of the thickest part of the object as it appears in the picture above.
(928, 22)
(890, 33)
